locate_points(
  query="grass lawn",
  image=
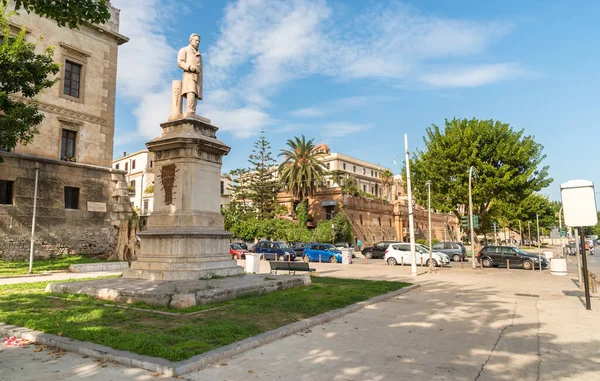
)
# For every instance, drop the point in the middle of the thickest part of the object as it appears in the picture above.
(179, 338)
(42, 265)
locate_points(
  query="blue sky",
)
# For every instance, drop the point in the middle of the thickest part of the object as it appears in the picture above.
(357, 75)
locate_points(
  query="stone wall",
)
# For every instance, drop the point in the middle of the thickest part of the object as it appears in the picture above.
(92, 229)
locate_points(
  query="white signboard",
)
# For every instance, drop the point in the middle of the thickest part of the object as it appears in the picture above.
(579, 203)
(96, 206)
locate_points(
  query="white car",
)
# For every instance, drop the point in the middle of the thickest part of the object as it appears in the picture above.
(399, 253)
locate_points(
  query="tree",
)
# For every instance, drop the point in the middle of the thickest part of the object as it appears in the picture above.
(342, 230)
(263, 186)
(69, 13)
(23, 75)
(387, 179)
(527, 212)
(346, 181)
(507, 163)
(301, 171)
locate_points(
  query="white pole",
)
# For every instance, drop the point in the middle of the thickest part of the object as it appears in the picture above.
(429, 222)
(37, 169)
(562, 246)
(471, 219)
(411, 222)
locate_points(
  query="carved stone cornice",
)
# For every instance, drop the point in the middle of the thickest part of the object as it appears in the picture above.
(58, 110)
(188, 152)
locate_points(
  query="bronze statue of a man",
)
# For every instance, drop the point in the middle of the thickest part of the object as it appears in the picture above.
(190, 60)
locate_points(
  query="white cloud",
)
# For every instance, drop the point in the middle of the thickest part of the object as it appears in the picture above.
(241, 122)
(473, 76)
(264, 44)
(307, 112)
(339, 129)
(146, 61)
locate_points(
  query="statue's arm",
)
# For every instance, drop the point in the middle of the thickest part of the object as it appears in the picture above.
(181, 58)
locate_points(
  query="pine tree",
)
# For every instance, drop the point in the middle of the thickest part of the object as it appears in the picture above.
(263, 183)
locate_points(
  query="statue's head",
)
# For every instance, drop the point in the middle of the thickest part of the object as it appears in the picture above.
(195, 40)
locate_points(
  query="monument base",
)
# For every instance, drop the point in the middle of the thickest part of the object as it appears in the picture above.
(181, 293)
(183, 254)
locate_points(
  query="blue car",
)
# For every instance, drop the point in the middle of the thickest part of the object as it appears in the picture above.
(323, 252)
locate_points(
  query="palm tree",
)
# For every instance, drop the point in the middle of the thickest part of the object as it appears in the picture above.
(387, 179)
(301, 171)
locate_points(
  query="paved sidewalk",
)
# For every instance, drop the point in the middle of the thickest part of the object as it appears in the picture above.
(490, 324)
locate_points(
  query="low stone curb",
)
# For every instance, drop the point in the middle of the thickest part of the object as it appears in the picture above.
(25, 275)
(195, 363)
(100, 266)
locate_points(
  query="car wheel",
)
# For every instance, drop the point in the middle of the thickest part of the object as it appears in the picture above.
(392, 261)
(306, 259)
(434, 263)
(332, 259)
(456, 258)
(369, 255)
(486, 262)
(281, 258)
(526, 265)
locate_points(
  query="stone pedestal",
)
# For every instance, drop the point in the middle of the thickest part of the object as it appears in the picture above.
(185, 237)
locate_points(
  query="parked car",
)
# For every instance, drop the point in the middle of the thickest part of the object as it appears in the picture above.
(494, 256)
(299, 247)
(345, 245)
(243, 245)
(400, 253)
(237, 251)
(274, 250)
(377, 250)
(324, 252)
(455, 250)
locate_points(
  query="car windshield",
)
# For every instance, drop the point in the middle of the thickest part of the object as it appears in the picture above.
(520, 251)
(422, 248)
(281, 245)
(235, 246)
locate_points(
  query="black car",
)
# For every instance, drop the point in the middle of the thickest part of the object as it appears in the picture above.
(377, 250)
(494, 256)
(455, 250)
(299, 247)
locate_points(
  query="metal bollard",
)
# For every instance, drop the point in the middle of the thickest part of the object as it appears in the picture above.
(507, 265)
(402, 260)
(462, 263)
(421, 261)
(319, 258)
(533, 266)
(540, 261)
(481, 264)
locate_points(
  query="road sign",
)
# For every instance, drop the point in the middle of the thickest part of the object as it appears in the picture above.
(465, 222)
(563, 233)
(475, 222)
(554, 233)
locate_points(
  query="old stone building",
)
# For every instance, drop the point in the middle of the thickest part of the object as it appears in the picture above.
(82, 203)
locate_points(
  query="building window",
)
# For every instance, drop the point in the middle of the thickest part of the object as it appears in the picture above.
(145, 211)
(6, 192)
(222, 187)
(361, 219)
(328, 165)
(344, 166)
(372, 189)
(117, 166)
(132, 186)
(132, 164)
(72, 79)
(126, 166)
(71, 198)
(379, 220)
(364, 188)
(354, 168)
(151, 163)
(67, 148)
(364, 171)
(371, 173)
(390, 222)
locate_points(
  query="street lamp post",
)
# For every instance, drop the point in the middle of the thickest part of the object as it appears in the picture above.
(411, 221)
(428, 183)
(333, 234)
(520, 234)
(529, 228)
(471, 217)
